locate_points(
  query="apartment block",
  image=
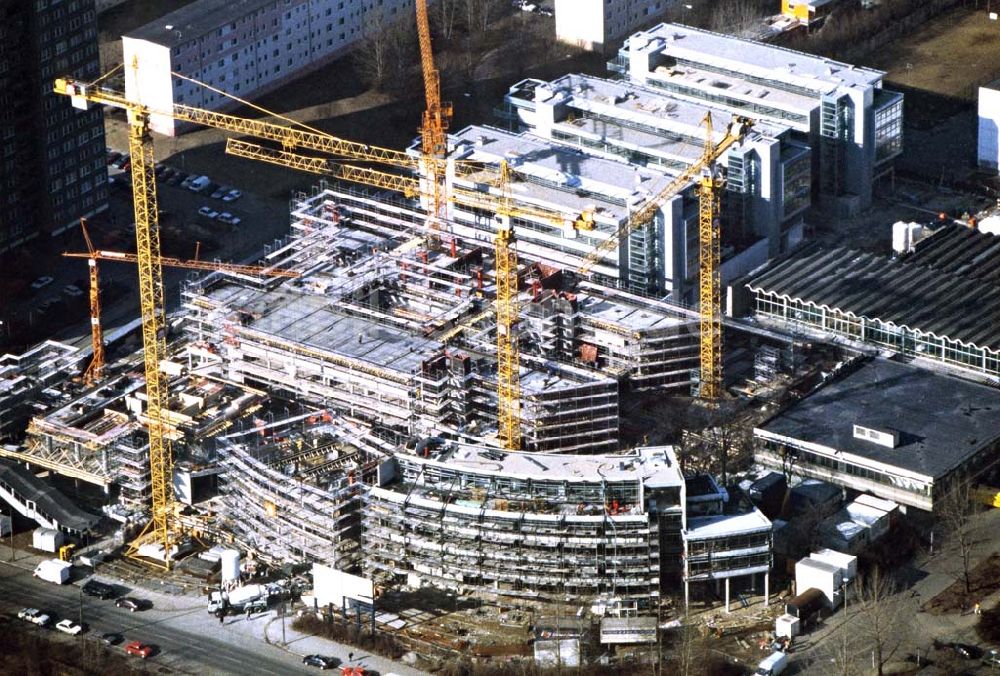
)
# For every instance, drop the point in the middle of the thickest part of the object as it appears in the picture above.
(243, 47)
(852, 124)
(596, 25)
(52, 172)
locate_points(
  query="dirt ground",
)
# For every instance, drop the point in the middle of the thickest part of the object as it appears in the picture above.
(984, 580)
(951, 55)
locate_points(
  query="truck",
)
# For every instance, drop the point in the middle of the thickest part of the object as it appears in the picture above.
(806, 607)
(772, 665)
(238, 600)
(53, 570)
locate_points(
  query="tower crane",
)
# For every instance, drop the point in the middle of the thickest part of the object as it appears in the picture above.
(710, 183)
(433, 132)
(122, 257)
(95, 370)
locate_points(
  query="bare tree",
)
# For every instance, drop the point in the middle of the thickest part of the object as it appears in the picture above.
(388, 49)
(479, 14)
(880, 620)
(445, 17)
(688, 652)
(737, 17)
(954, 510)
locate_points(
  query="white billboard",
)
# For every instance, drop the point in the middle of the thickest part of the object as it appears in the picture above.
(333, 586)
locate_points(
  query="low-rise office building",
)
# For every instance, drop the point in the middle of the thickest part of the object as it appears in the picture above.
(894, 430)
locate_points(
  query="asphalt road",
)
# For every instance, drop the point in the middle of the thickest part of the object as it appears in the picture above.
(185, 649)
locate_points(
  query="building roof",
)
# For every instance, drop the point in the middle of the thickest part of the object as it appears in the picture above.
(561, 175)
(313, 321)
(961, 251)
(945, 302)
(195, 20)
(700, 527)
(655, 466)
(942, 420)
(797, 68)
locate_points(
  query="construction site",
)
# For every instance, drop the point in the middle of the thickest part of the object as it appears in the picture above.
(439, 380)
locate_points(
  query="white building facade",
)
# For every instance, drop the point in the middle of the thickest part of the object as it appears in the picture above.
(988, 154)
(595, 24)
(852, 124)
(243, 47)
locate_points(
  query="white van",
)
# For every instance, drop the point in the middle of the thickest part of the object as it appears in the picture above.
(199, 184)
(772, 665)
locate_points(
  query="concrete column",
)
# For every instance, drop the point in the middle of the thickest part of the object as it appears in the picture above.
(727, 595)
(767, 590)
(687, 597)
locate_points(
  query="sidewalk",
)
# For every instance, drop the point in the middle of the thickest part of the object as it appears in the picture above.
(303, 644)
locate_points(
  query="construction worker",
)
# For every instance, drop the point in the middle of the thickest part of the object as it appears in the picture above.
(350, 657)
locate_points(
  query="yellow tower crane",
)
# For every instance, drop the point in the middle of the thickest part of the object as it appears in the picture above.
(508, 350)
(433, 131)
(709, 184)
(210, 266)
(95, 370)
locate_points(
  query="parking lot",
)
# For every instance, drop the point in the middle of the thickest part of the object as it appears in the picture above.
(54, 301)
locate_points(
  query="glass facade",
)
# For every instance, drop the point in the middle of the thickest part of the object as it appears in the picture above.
(897, 338)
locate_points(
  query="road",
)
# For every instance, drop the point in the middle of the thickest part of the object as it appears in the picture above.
(184, 644)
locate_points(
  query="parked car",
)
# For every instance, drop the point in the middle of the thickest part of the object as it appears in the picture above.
(69, 627)
(158, 169)
(72, 290)
(992, 658)
(139, 648)
(208, 212)
(113, 156)
(320, 661)
(232, 195)
(226, 217)
(128, 603)
(168, 173)
(98, 589)
(41, 283)
(198, 183)
(111, 638)
(35, 616)
(220, 192)
(178, 178)
(969, 652)
(122, 161)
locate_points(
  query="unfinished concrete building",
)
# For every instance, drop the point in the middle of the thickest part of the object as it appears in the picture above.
(552, 528)
(97, 435)
(387, 332)
(24, 379)
(525, 525)
(292, 490)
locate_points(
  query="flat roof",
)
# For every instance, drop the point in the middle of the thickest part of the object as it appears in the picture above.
(752, 57)
(636, 103)
(312, 320)
(700, 527)
(195, 20)
(568, 177)
(654, 465)
(627, 316)
(942, 420)
(946, 302)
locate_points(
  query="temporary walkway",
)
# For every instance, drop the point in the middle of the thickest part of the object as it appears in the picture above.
(35, 499)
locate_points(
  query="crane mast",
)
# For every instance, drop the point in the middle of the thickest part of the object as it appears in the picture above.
(159, 530)
(95, 370)
(709, 284)
(507, 314)
(433, 131)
